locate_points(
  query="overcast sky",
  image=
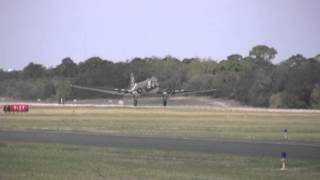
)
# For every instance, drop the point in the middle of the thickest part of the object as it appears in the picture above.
(46, 31)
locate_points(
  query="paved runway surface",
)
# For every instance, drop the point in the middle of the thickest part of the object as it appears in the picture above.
(305, 150)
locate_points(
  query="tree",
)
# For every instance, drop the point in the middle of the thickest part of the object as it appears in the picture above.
(302, 76)
(63, 89)
(252, 80)
(96, 72)
(67, 68)
(32, 71)
(236, 57)
(190, 60)
(276, 101)
(318, 57)
(315, 97)
(263, 52)
(232, 64)
(2, 75)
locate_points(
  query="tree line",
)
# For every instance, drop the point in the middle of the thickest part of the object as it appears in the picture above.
(253, 80)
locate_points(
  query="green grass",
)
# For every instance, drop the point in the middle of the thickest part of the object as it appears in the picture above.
(55, 161)
(170, 122)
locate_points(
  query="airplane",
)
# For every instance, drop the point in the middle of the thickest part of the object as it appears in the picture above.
(150, 86)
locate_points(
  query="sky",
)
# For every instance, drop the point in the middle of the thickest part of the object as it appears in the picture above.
(46, 31)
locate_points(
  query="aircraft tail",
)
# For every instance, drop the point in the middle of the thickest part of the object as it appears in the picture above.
(132, 82)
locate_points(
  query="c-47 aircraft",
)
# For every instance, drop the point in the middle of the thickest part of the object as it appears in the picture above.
(149, 87)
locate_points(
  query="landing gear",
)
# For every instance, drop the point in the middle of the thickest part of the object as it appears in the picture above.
(164, 102)
(165, 99)
(135, 99)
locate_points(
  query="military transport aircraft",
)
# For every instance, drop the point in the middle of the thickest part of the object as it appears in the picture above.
(148, 87)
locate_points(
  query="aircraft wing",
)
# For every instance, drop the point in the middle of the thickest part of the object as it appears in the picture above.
(108, 91)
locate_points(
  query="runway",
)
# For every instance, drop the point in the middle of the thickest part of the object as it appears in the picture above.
(305, 150)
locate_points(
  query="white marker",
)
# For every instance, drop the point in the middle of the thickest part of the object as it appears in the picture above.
(283, 160)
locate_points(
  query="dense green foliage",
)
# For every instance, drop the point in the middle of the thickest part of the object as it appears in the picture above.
(253, 80)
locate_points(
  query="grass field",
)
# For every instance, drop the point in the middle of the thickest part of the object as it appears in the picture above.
(57, 161)
(54, 161)
(170, 122)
